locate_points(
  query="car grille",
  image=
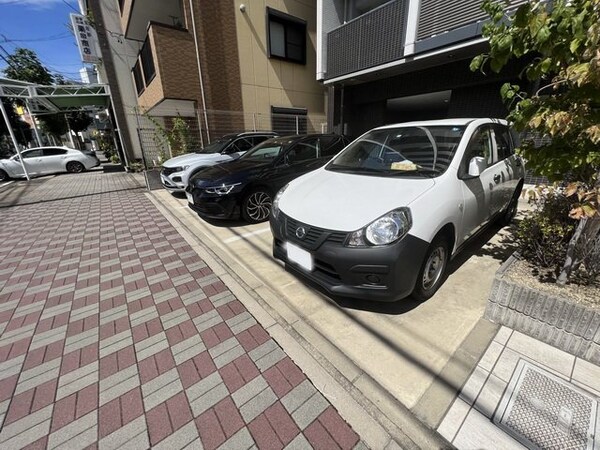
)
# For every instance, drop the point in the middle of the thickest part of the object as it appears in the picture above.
(314, 237)
(166, 171)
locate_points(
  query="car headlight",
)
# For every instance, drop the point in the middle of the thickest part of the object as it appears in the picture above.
(275, 205)
(224, 189)
(386, 230)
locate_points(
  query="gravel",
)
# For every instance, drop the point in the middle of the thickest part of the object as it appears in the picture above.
(535, 278)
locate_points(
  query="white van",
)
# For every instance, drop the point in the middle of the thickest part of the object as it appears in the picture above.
(384, 217)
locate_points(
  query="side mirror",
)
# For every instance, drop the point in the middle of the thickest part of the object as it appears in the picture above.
(477, 165)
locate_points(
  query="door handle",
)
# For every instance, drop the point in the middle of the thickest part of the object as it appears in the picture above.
(497, 178)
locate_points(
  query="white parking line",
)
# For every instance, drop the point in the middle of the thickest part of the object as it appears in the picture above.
(6, 184)
(245, 235)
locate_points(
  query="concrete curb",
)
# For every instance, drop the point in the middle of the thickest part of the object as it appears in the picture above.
(380, 420)
(557, 321)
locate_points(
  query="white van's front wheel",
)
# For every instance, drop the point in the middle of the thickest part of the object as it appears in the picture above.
(431, 275)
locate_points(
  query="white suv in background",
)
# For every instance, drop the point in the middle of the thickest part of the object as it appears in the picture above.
(176, 172)
(384, 217)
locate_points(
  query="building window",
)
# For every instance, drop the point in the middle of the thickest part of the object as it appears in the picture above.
(287, 37)
(137, 76)
(288, 120)
(147, 62)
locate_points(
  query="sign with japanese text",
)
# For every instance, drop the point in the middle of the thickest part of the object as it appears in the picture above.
(87, 39)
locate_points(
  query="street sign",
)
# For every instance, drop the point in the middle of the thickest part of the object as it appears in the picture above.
(87, 39)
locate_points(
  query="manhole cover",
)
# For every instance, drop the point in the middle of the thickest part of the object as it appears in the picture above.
(543, 411)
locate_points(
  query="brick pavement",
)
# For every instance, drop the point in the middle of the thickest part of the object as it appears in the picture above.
(115, 334)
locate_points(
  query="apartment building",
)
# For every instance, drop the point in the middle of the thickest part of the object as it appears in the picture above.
(224, 65)
(392, 61)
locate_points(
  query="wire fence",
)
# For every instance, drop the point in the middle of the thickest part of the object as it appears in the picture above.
(172, 134)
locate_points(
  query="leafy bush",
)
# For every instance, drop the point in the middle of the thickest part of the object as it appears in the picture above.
(543, 236)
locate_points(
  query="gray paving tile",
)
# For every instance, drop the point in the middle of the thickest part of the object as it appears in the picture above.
(310, 410)
(242, 440)
(180, 439)
(134, 435)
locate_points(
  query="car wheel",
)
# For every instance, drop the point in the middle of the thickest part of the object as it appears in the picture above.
(256, 206)
(507, 216)
(75, 167)
(433, 270)
(3, 175)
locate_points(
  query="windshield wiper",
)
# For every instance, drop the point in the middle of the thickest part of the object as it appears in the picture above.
(420, 171)
(353, 169)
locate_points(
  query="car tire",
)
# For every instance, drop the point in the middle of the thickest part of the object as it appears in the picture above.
(3, 176)
(507, 216)
(75, 167)
(433, 270)
(256, 206)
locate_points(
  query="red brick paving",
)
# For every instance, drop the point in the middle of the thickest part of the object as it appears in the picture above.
(74, 275)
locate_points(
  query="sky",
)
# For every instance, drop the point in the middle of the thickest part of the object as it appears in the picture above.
(41, 25)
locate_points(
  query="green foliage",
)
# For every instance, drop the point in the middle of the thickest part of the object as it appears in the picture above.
(177, 136)
(542, 236)
(54, 124)
(79, 120)
(562, 44)
(24, 65)
(115, 159)
(21, 129)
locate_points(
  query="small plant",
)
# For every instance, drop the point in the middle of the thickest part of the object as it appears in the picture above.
(177, 137)
(136, 166)
(115, 159)
(543, 235)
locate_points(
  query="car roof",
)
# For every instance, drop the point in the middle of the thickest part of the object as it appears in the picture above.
(48, 146)
(444, 122)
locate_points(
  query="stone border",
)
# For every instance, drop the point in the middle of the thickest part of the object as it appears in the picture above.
(554, 320)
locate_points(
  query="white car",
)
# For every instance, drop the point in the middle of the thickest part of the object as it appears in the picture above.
(384, 217)
(176, 172)
(46, 160)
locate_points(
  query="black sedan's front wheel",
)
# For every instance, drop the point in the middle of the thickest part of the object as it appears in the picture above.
(256, 206)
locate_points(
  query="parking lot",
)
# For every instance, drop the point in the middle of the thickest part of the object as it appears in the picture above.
(404, 348)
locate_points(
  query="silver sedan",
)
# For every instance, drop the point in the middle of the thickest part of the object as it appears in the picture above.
(46, 160)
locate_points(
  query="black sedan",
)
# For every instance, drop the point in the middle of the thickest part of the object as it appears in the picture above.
(246, 187)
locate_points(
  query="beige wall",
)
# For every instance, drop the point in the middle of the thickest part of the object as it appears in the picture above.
(272, 82)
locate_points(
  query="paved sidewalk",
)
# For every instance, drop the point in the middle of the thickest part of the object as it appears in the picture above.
(114, 333)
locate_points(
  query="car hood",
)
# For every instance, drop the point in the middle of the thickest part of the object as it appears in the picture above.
(348, 202)
(192, 158)
(230, 172)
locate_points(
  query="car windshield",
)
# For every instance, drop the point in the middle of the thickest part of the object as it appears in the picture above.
(216, 146)
(410, 150)
(266, 151)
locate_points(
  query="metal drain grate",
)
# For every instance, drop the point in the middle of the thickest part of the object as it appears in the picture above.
(543, 411)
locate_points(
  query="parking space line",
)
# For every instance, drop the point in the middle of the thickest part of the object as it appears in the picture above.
(246, 235)
(6, 184)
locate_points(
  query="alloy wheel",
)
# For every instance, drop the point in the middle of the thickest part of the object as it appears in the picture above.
(258, 206)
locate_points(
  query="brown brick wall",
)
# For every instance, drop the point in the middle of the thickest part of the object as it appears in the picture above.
(217, 42)
(176, 69)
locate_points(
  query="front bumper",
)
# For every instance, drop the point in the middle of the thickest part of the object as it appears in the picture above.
(173, 182)
(386, 273)
(215, 207)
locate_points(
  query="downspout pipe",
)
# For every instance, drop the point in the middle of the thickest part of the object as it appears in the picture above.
(193, 17)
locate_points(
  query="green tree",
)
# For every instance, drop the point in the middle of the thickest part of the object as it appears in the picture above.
(54, 124)
(21, 129)
(24, 65)
(561, 41)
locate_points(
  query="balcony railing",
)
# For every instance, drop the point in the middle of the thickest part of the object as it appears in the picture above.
(440, 16)
(374, 38)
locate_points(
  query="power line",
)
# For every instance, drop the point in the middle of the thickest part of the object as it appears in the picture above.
(41, 39)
